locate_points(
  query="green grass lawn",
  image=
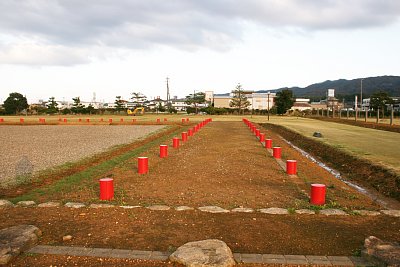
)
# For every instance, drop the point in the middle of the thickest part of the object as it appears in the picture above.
(378, 146)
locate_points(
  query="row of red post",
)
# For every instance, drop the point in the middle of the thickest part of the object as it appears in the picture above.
(65, 120)
(318, 191)
(106, 184)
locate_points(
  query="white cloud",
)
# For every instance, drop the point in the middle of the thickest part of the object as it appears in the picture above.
(42, 55)
(66, 30)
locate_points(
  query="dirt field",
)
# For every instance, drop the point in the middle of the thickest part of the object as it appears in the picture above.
(221, 165)
(225, 166)
(28, 149)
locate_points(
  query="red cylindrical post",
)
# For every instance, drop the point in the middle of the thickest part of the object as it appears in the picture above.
(121, 120)
(183, 120)
(187, 119)
(184, 136)
(133, 120)
(276, 152)
(165, 119)
(59, 119)
(175, 142)
(88, 120)
(1, 120)
(143, 165)
(291, 167)
(190, 132)
(257, 132)
(268, 143)
(158, 120)
(318, 192)
(106, 189)
(262, 137)
(163, 151)
(101, 120)
(65, 120)
(21, 120)
(110, 120)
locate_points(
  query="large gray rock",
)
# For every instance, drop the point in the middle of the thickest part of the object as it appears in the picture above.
(210, 252)
(15, 240)
(386, 252)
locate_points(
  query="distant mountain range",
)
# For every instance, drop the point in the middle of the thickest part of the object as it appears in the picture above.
(347, 88)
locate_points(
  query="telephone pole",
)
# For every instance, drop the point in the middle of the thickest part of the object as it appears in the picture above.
(168, 96)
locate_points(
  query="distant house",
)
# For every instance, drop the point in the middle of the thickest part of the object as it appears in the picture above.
(301, 104)
(260, 101)
(222, 100)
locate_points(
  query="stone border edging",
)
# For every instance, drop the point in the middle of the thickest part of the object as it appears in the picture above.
(239, 257)
(210, 209)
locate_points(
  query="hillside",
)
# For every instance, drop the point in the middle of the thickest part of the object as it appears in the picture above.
(348, 88)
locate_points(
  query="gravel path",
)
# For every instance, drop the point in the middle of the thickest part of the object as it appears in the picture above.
(27, 149)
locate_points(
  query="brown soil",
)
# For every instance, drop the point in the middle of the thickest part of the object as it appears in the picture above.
(64, 261)
(49, 177)
(352, 168)
(361, 123)
(222, 165)
(143, 229)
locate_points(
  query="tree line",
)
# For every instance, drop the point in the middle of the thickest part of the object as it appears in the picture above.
(239, 103)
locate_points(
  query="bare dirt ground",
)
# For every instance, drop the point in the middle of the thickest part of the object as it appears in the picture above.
(28, 149)
(221, 165)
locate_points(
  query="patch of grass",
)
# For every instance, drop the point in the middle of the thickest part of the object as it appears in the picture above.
(316, 208)
(120, 196)
(356, 253)
(73, 182)
(352, 197)
(291, 210)
(352, 139)
(354, 213)
(331, 186)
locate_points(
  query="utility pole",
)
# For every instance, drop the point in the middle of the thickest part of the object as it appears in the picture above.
(268, 104)
(356, 106)
(168, 97)
(361, 99)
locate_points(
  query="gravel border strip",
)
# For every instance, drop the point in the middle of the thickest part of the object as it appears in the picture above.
(210, 209)
(239, 257)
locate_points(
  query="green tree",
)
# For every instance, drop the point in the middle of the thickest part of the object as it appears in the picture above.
(283, 101)
(119, 106)
(138, 99)
(77, 107)
(239, 99)
(195, 100)
(90, 109)
(52, 106)
(15, 103)
(379, 101)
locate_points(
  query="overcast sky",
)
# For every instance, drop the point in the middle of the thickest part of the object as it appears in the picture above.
(75, 48)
